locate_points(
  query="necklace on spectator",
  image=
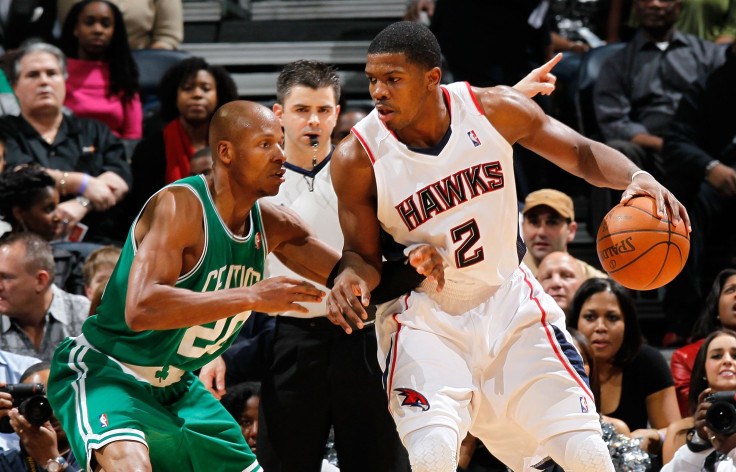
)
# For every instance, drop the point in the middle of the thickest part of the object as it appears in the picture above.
(310, 178)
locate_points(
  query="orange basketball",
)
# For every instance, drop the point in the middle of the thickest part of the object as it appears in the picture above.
(639, 250)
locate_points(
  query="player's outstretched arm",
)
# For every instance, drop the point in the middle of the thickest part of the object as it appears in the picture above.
(170, 237)
(521, 120)
(296, 245)
(360, 270)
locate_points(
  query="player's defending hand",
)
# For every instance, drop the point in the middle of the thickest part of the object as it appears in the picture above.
(645, 184)
(540, 80)
(280, 294)
(343, 301)
(428, 262)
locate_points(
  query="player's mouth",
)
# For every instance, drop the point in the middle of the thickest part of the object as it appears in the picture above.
(385, 113)
(280, 174)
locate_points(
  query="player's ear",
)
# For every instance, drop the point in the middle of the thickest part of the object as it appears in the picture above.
(433, 77)
(224, 152)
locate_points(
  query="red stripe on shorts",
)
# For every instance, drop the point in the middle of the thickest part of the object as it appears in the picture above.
(551, 337)
(393, 357)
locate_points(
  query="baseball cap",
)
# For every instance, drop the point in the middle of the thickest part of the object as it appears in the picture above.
(554, 199)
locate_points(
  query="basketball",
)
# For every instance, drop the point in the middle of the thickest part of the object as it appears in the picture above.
(639, 250)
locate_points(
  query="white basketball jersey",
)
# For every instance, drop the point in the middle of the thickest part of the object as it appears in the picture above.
(462, 200)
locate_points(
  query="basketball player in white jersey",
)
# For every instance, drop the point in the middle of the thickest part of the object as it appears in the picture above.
(488, 354)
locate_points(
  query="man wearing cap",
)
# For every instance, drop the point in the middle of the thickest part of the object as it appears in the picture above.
(548, 225)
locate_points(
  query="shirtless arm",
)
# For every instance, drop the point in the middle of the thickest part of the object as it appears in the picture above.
(296, 244)
(169, 231)
(360, 271)
(519, 119)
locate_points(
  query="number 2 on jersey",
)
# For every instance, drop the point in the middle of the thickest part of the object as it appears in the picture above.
(469, 234)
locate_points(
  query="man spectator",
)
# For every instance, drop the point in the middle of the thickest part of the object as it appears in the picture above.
(700, 155)
(548, 225)
(639, 87)
(36, 315)
(560, 275)
(84, 158)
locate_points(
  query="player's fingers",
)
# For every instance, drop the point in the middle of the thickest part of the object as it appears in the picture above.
(334, 314)
(438, 274)
(547, 66)
(350, 307)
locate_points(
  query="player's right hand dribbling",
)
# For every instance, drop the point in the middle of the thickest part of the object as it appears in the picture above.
(280, 294)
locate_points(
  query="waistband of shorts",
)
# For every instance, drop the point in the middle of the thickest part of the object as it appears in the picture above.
(456, 298)
(156, 376)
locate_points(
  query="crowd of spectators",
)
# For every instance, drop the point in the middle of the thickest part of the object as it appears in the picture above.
(69, 192)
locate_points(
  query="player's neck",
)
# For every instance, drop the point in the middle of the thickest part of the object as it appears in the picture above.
(305, 157)
(430, 126)
(233, 204)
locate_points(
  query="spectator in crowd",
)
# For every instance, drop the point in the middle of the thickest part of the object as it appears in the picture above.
(189, 92)
(12, 367)
(85, 159)
(700, 156)
(560, 275)
(201, 162)
(102, 81)
(718, 313)
(42, 447)
(636, 384)
(36, 314)
(714, 20)
(639, 87)
(349, 115)
(98, 267)
(151, 24)
(714, 370)
(548, 225)
(29, 203)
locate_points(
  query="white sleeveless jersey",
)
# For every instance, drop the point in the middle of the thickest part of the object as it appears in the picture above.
(462, 201)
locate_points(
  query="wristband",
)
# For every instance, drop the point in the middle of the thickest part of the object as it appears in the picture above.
(711, 165)
(83, 185)
(639, 172)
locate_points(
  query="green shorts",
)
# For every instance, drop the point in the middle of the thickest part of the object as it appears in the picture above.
(184, 427)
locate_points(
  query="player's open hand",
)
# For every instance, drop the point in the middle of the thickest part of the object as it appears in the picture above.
(645, 184)
(428, 262)
(540, 81)
(343, 303)
(280, 294)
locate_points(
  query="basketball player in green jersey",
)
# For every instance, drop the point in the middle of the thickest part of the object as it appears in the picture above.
(189, 275)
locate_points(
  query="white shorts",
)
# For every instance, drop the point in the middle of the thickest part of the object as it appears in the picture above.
(505, 370)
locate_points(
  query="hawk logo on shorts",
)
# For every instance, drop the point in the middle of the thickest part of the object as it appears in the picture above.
(258, 241)
(103, 420)
(413, 398)
(474, 138)
(583, 404)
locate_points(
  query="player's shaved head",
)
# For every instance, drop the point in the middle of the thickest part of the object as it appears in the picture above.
(234, 118)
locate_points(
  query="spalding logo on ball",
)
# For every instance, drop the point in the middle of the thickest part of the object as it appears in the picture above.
(639, 250)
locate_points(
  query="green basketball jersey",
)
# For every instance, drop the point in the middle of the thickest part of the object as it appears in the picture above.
(227, 261)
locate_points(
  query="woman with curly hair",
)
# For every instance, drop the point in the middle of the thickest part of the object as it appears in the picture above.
(102, 81)
(29, 200)
(189, 93)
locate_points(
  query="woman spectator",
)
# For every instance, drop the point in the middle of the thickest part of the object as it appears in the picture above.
(714, 370)
(102, 81)
(189, 93)
(29, 202)
(718, 313)
(636, 385)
